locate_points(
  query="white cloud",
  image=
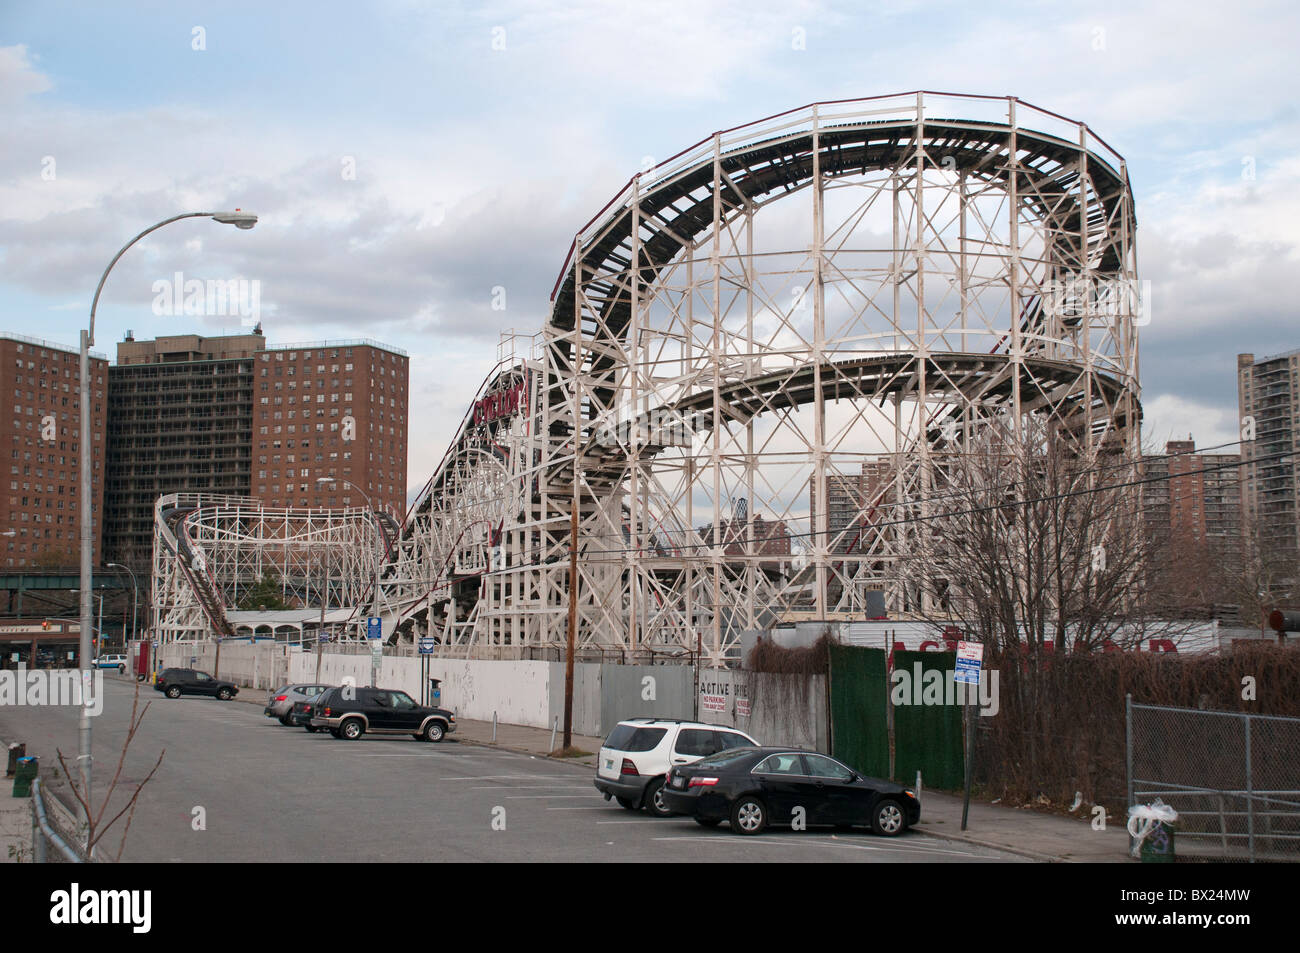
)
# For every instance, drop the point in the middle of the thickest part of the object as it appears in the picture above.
(1170, 417)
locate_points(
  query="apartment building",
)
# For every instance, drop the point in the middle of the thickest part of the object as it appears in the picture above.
(1268, 396)
(1194, 498)
(234, 415)
(41, 438)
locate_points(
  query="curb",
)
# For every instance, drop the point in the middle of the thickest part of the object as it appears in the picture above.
(975, 841)
(536, 754)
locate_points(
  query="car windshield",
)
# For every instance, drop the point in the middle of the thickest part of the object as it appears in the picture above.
(724, 758)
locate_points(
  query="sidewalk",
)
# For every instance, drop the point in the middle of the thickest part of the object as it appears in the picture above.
(1024, 831)
(15, 821)
(534, 741)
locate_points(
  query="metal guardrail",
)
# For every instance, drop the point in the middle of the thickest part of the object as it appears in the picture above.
(44, 835)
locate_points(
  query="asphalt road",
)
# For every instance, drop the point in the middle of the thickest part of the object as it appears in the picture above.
(275, 794)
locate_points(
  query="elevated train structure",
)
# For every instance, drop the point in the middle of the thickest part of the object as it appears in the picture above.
(844, 294)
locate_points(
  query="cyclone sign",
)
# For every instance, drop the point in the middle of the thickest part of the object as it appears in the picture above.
(502, 403)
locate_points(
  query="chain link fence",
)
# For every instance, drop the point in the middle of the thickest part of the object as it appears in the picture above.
(1233, 778)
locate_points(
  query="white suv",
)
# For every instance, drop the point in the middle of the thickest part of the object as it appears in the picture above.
(639, 752)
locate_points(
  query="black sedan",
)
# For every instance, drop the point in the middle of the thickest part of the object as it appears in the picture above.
(753, 788)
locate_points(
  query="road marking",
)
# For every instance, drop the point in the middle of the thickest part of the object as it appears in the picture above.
(577, 809)
(516, 787)
(522, 797)
(786, 842)
(643, 820)
(503, 777)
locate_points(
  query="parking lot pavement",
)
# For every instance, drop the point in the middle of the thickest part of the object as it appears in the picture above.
(237, 786)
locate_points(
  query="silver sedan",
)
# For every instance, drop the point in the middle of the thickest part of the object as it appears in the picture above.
(280, 702)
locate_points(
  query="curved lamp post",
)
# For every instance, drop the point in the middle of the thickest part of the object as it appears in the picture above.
(135, 597)
(240, 219)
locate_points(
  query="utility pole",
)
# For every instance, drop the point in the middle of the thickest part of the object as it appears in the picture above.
(573, 619)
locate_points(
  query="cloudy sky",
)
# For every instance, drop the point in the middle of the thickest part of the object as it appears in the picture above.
(483, 135)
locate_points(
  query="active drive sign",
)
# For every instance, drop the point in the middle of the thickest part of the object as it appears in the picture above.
(969, 657)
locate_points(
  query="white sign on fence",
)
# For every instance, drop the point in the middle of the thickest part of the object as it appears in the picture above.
(969, 657)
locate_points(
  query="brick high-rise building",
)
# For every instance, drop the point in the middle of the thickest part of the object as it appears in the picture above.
(232, 415)
(1268, 395)
(331, 409)
(1194, 499)
(854, 502)
(41, 441)
(770, 538)
(180, 417)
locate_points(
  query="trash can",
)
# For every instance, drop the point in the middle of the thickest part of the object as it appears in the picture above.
(16, 751)
(1152, 828)
(25, 775)
(1158, 846)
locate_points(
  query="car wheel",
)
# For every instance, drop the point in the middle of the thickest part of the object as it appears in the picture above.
(654, 799)
(626, 802)
(352, 729)
(121, 670)
(748, 816)
(708, 821)
(284, 720)
(887, 821)
(433, 731)
(173, 692)
(223, 694)
(311, 729)
(335, 733)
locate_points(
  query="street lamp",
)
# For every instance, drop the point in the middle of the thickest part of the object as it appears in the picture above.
(240, 219)
(374, 667)
(135, 595)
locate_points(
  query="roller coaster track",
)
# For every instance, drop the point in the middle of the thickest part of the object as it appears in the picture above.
(928, 305)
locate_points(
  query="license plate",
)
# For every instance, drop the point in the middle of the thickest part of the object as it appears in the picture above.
(679, 782)
(609, 764)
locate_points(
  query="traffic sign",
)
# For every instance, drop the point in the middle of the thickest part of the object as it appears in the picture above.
(426, 645)
(969, 657)
(374, 627)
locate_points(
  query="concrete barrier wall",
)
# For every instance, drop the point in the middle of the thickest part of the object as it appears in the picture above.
(532, 693)
(586, 697)
(664, 691)
(263, 666)
(773, 709)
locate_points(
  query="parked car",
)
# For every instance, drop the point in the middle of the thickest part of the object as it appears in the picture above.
(635, 759)
(112, 661)
(175, 682)
(300, 716)
(755, 788)
(349, 713)
(279, 703)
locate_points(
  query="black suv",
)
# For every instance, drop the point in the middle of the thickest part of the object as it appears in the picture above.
(350, 712)
(175, 682)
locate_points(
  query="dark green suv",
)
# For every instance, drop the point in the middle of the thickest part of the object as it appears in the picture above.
(175, 682)
(350, 712)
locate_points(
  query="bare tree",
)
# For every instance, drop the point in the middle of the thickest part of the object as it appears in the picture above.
(1035, 544)
(96, 826)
